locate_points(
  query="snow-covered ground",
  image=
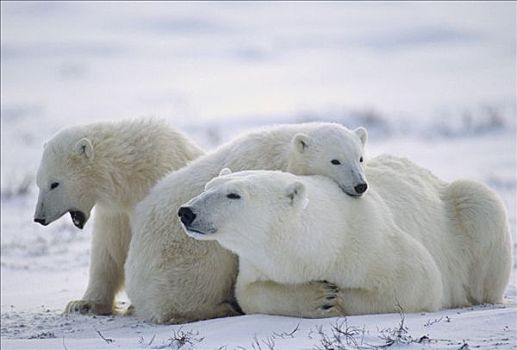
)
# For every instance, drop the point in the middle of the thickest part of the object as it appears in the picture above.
(434, 82)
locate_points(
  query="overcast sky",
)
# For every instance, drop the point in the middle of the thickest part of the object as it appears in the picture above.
(202, 61)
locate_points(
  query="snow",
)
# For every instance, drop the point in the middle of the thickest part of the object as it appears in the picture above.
(434, 82)
(484, 327)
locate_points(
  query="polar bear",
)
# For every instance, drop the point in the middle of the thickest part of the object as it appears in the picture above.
(288, 230)
(110, 166)
(171, 278)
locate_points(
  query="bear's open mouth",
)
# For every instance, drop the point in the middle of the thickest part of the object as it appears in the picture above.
(196, 231)
(78, 218)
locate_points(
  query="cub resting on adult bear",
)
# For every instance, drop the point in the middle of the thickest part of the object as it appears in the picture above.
(172, 278)
(413, 242)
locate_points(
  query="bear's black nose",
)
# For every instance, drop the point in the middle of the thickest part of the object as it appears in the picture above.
(187, 215)
(361, 188)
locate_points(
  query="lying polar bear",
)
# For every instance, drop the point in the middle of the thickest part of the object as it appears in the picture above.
(419, 243)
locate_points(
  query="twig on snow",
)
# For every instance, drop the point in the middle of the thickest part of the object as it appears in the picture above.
(107, 340)
(290, 334)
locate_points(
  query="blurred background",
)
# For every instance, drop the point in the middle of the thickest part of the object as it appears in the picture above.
(433, 81)
(398, 66)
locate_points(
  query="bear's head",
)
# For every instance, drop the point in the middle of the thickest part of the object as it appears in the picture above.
(238, 209)
(333, 151)
(66, 179)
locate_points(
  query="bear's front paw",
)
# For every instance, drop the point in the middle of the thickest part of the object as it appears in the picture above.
(130, 311)
(327, 301)
(88, 307)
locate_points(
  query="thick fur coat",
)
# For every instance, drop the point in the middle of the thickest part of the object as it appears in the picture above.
(172, 278)
(109, 166)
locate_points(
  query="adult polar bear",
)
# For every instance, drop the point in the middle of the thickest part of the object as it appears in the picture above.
(419, 243)
(110, 166)
(172, 278)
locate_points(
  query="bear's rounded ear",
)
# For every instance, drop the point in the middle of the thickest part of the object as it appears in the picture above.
(362, 134)
(301, 142)
(296, 194)
(225, 171)
(84, 148)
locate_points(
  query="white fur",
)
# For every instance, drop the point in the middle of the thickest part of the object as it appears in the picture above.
(173, 278)
(413, 241)
(110, 166)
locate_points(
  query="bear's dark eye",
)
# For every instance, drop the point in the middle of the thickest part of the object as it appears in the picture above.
(233, 196)
(335, 162)
(54, 185)
(361, 159)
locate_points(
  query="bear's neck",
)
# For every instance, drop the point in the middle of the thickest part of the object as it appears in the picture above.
(130, 158)
(297, 166)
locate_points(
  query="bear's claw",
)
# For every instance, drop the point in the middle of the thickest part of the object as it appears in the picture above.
(85, 307)
(328, 301)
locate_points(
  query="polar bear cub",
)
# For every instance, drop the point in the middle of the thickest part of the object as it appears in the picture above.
(110, 166)
(332, 151)
(288, 230)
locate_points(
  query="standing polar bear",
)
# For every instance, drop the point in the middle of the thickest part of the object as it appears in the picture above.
(110, 166)
(420, 244)
(172, 278)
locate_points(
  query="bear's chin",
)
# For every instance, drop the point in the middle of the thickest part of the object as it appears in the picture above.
(200, 235)
(78, 218)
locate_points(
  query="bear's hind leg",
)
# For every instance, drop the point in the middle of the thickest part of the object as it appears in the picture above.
(480, 217)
